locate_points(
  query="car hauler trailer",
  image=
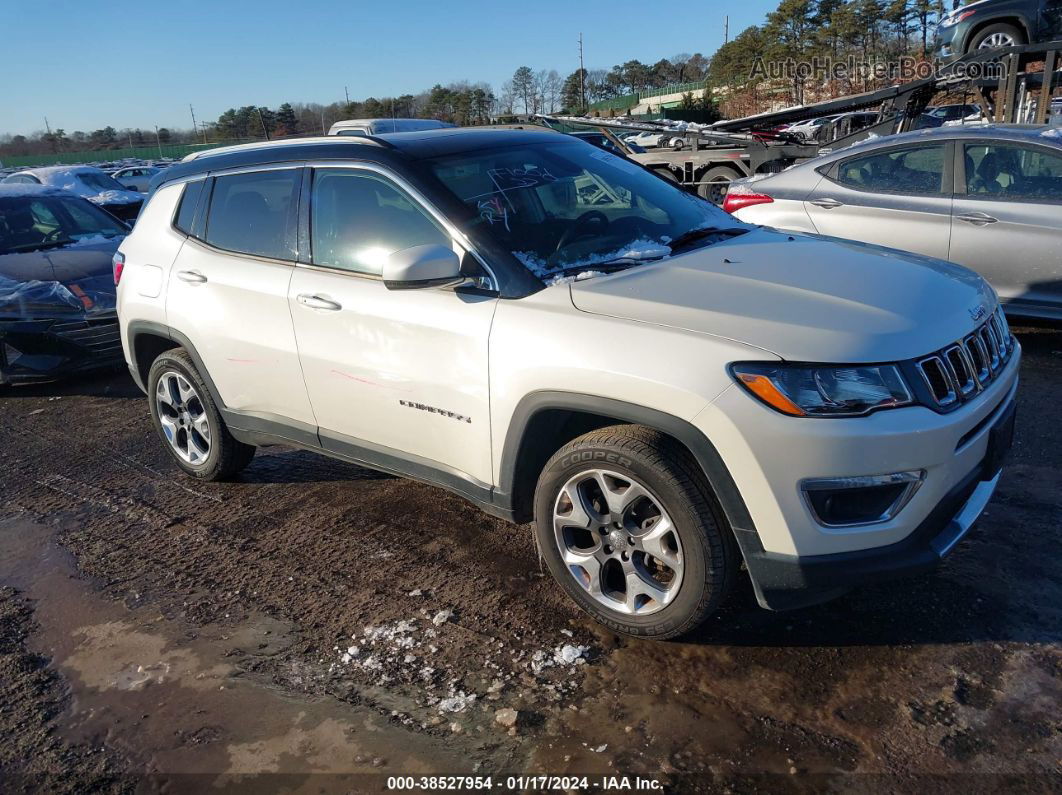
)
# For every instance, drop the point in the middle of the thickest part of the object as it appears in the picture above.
(1014, 85)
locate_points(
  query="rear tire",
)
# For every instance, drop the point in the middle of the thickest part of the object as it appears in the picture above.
(715, 183)
(996, 36)
(665, 555)
(189, 422)
(666, 173)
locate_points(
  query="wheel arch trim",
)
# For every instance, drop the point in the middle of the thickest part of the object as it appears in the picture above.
(699, 445)
(1009, 19)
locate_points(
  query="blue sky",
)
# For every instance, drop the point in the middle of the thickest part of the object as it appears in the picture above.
(87, 64)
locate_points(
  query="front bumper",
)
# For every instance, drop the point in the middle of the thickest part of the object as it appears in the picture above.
(45, 349)
(784, 582)
(795, 560)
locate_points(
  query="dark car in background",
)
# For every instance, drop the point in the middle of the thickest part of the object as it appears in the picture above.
(57, 293)
(602, 141)
(88, 182)
(991, 24)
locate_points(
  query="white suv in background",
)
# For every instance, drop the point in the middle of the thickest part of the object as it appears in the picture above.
(557, 335)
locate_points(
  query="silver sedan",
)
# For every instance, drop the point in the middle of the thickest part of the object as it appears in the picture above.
(136, 178)
(987, 197)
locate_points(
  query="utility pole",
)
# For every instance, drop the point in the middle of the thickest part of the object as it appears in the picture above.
(195, 126)
(726, 29)
(346, 94)
(158, 141)
(582, 74)
(261, 118)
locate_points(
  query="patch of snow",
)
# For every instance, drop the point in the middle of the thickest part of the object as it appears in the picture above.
(458, 702)
(442, 617)
(641, 249)
(1053, 132)
(562, 655)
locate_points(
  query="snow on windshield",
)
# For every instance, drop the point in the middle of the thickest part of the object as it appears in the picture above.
(643, 249)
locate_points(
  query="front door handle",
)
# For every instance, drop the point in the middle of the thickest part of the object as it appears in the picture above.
(317, 302)
(977, 219)
(192, 277)
(826, 204)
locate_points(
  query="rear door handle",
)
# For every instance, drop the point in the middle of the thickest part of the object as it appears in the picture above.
(826, 204)
(977, 219)
(192, 277)
(317, 302)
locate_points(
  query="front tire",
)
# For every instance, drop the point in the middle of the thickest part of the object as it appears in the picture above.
(997, 36)
(189, 422)
(630, 530)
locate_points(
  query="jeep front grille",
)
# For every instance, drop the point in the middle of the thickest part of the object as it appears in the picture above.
(962, 370)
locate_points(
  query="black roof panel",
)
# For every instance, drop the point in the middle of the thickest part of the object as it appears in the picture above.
(390, 148)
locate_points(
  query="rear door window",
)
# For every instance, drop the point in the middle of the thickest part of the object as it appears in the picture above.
(917, 170)
(1004, 171)
(255, 213)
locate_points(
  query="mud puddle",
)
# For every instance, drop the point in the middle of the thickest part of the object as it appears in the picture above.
(176, 700)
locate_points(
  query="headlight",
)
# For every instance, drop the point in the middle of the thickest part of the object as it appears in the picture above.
(824, 390)
(951, 21)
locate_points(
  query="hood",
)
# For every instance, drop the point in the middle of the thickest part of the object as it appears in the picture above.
(115, 197)
(801, 297)
(75, 280)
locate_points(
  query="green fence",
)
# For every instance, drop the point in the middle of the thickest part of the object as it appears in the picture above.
(630, 100)
(616, 103)
(107, 155)
(673, 88)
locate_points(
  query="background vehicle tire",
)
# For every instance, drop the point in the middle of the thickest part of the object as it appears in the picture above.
(714, 184)
(189, 423)
(630, 529)
(666, 173)
(677, 144)
(995, 36)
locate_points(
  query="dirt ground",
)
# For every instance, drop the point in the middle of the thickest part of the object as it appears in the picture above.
(315, 626)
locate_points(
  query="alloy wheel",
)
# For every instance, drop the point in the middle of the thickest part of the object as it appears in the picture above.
(183, 417)
(997, 40)
(618, 542)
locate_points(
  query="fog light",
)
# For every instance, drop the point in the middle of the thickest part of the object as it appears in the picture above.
(849, 502)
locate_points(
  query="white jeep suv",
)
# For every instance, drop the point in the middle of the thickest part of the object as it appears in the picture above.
(556, 334)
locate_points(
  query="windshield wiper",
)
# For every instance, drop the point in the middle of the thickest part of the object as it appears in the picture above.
(687, 238)
(27, 247)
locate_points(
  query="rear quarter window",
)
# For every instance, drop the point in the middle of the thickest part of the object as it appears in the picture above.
(187, 206)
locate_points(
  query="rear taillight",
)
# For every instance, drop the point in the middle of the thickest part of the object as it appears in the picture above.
(738, 198)
(118, 265)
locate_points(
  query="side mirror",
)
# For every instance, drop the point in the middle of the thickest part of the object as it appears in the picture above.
(432, 265)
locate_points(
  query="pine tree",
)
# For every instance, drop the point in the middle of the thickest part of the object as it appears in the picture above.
(287, 122)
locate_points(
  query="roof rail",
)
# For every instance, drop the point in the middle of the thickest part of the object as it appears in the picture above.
(309, 140)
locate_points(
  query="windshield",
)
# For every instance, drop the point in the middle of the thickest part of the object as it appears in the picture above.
(100, 181)
(565, 204)
(30, 223)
